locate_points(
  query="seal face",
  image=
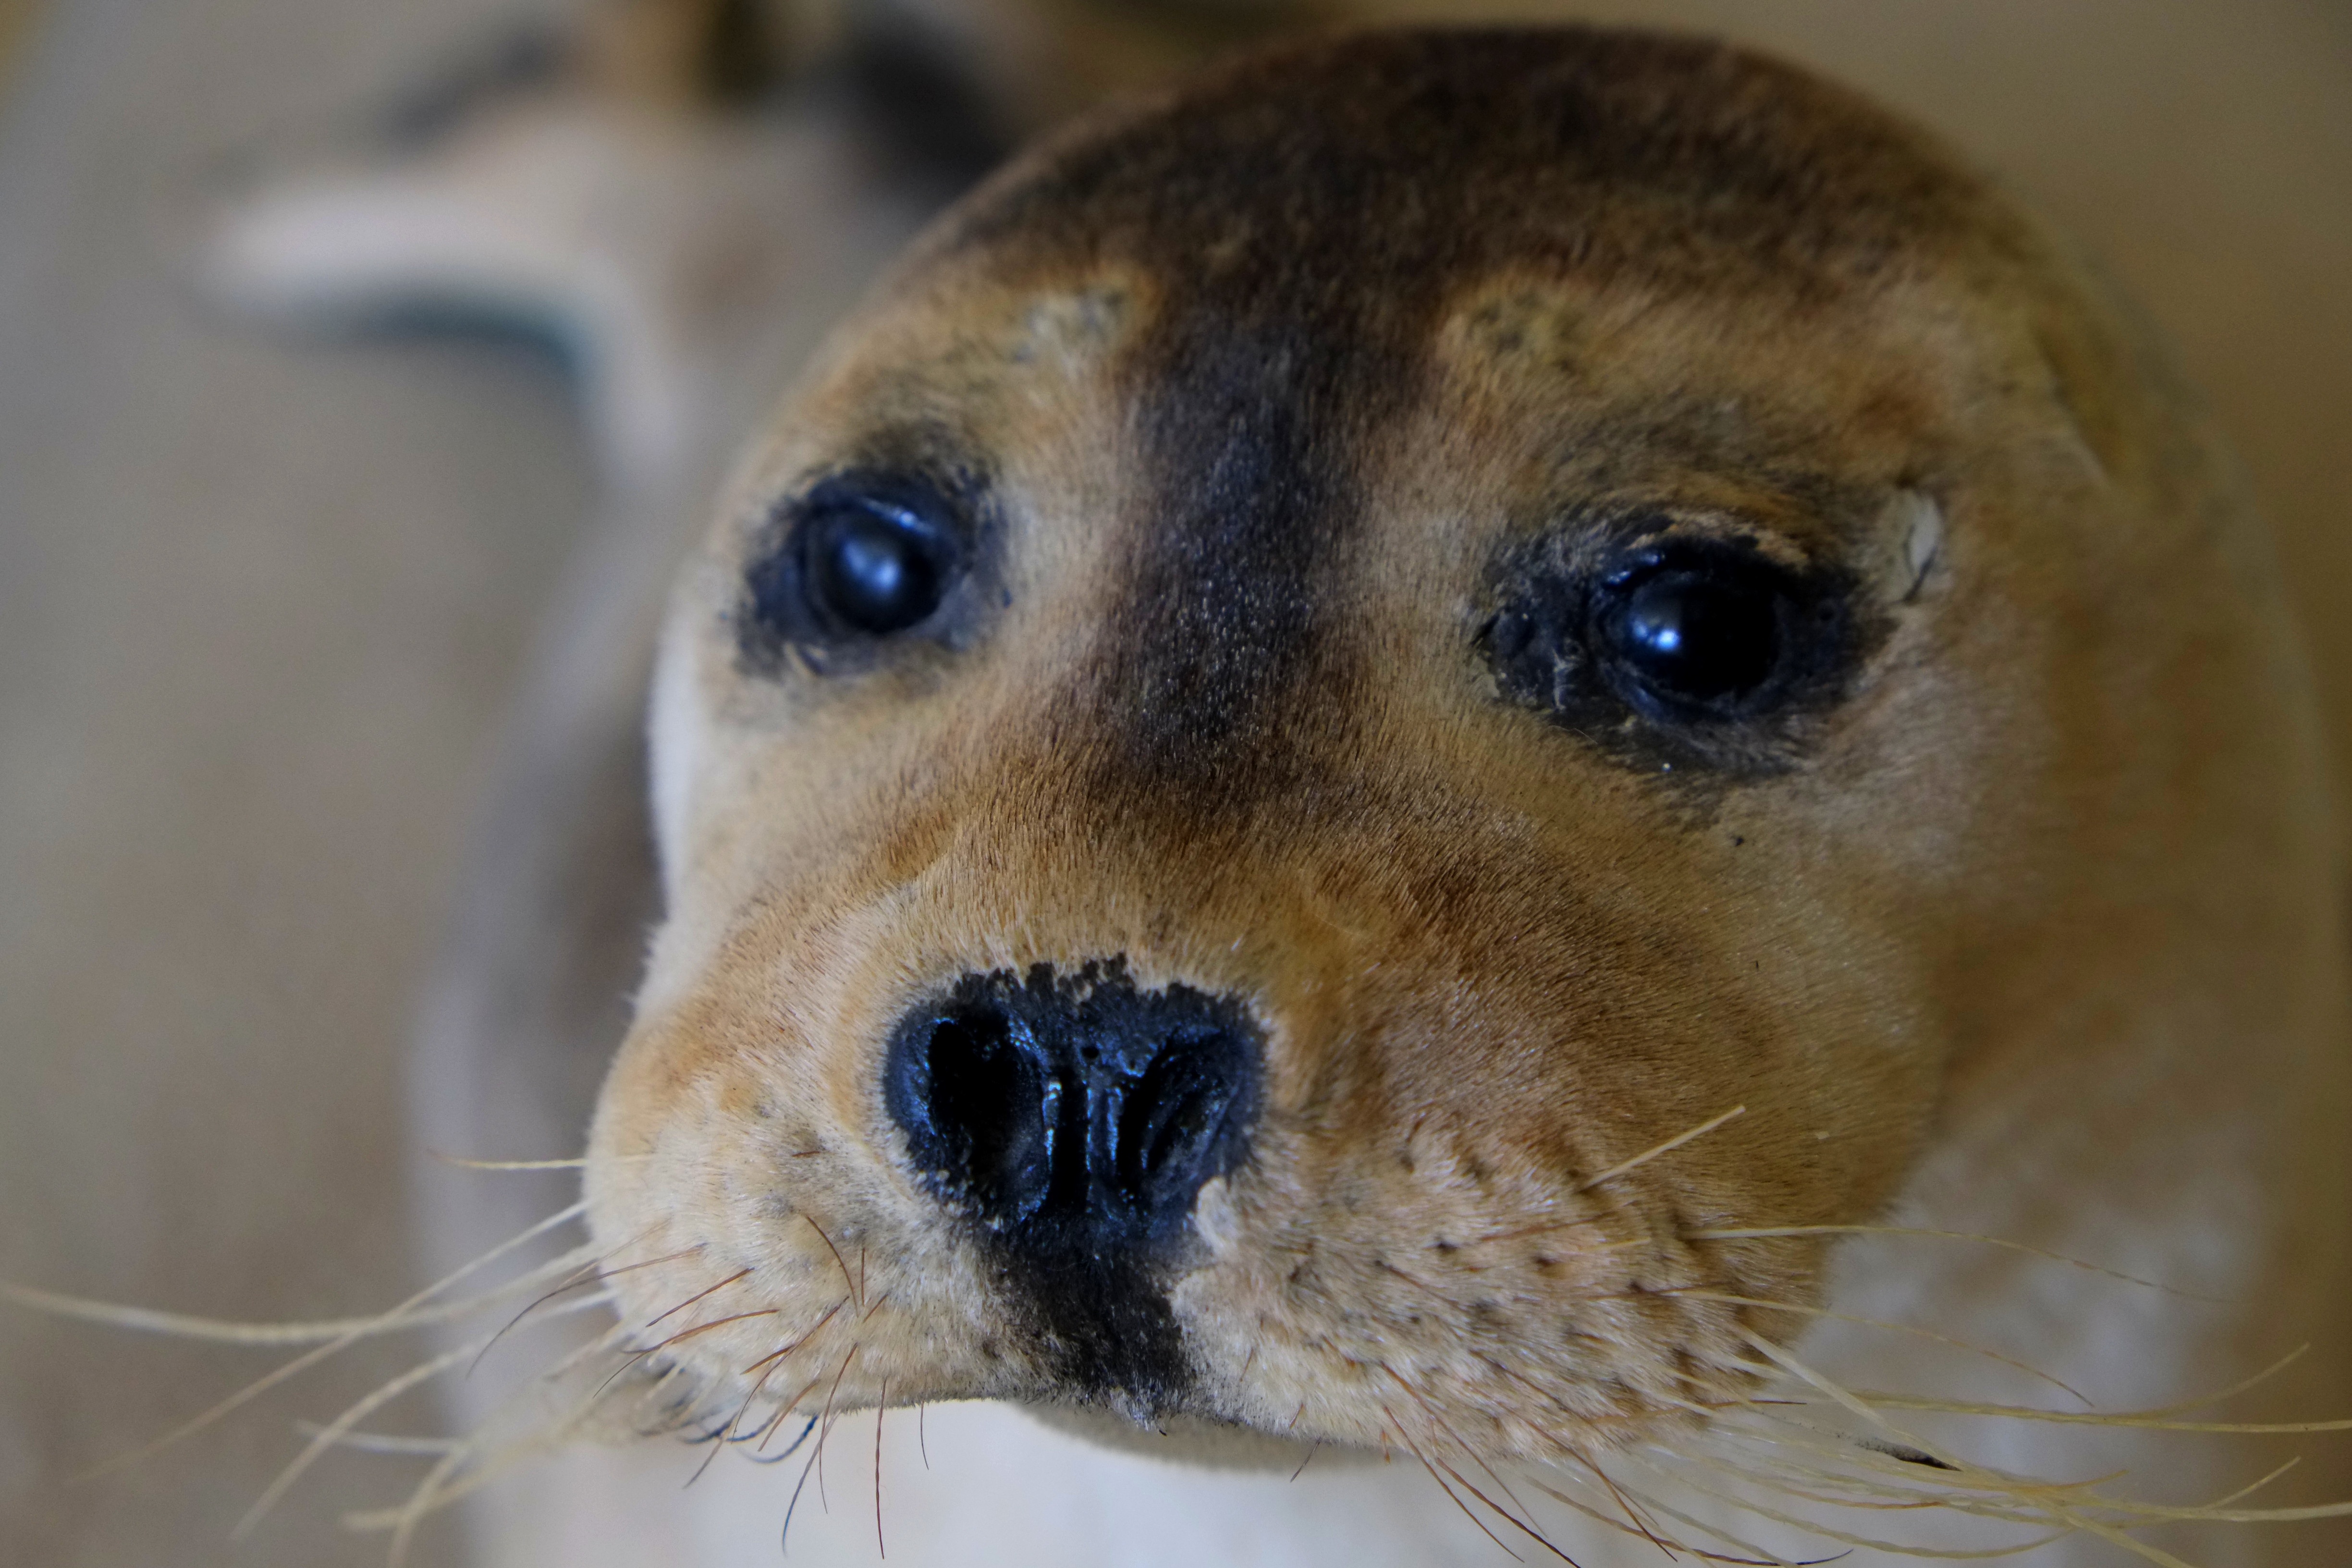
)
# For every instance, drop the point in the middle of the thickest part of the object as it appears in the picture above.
(1367, 739)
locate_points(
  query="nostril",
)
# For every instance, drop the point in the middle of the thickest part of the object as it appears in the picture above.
(1177, 1121)
(1077, 1113)
(982, 1110)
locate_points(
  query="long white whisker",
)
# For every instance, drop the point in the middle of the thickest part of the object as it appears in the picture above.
(1830, 1532)
(2097, 1419)
(381, 1442)
(2059, 1512)
(1748, 1233)
(311, 1358)
(224, 1331)
(365, 1407)
(435, 1494)
(2033, 1371)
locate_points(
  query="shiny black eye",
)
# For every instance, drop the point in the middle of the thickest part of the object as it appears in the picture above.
(873, 567)
(1701, 634)
(860, 558)
(1674, 652)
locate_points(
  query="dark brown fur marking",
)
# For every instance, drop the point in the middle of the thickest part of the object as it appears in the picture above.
(1387, 169)
(1307, 219)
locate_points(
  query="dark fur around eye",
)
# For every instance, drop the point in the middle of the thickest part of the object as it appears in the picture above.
(859, 561)
(1680, 651)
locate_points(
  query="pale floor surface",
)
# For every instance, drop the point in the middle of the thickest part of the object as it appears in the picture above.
(258, 602)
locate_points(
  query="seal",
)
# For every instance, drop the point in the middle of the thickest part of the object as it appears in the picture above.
(1394, 730)
(1531, 752)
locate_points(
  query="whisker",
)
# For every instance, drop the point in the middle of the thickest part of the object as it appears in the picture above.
(311, 1358)
(221, 1331)
(767, 1366)
(807, 1389)
(436, 1492)
(724, 1433)
(817, 1461)
(1757, 1557)
(854, 1293)
(1456, 1501)
(807, 1335)
(409, 1314)
(1907, 1495)
(771, 1363)
(1901, 1463)
(1610, 1174)
(630, 1360)
(1529, 1530)
(1884, 1484)
(2250, 1489)
(2058, 1511)
(1761, 1232)
(1668, 1147)
(681, 1406)
(463, 1164)
(690, 1301)
(1848, 1538)
(788, 1450)
(1690, 1294)
(2050, 1499)
(352, 1416)
(1597, 1517)
(380, 1442)
(1632, 1516)
(1798, 1481)
(827, 1426)
(420, 1503)
(783, 1536)
(2098, 1418)
(332, 1433)
(594, 1271)
(1432, 1292)
(1446, 1429)
(715, 1323)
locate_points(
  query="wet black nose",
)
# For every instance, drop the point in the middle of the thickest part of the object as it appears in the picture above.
(1075, 1113)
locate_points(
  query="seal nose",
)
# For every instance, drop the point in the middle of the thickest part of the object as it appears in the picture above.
(1078, 1112)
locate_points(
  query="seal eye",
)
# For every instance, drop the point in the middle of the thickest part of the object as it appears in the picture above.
(873, 567)
(1690, 651)
(1702, 634)
(860, 558)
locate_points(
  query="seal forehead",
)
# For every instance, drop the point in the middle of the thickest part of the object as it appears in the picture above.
(1375, 174)
(1303, 226)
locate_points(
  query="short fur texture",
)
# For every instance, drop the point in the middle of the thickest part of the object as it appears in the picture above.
(1269, 390)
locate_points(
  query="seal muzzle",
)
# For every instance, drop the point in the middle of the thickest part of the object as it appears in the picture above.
(1077, 1116)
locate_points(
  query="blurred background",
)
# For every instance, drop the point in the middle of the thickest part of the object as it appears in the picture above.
(261, 601)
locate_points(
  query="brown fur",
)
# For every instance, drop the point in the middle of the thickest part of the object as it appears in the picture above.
(1267, 384)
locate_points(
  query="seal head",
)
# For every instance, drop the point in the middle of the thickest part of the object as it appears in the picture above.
(1377, 708)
